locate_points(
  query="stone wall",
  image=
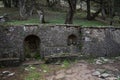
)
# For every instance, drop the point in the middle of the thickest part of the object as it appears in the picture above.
(54, 40)
(101, 41)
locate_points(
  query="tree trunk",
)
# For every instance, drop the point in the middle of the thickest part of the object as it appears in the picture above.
(70, 14)
(96, 14)
(88, 10)
(69, 17)
(15, 3)
(41, 16)
(40, 12)
(7, 3)
(48, 3)
(26, 8)
(103, 14)
(91, 17)
(22, 8)
(53, 3)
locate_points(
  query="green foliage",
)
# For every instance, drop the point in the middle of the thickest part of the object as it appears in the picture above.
(65, 64)
(24, 22)
(45, 68)
(90, 60)
(33, 75)
(28, 54)
(118, 79)
(37, 56)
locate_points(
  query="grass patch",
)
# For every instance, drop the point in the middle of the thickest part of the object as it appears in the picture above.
(57, 21)
(45, 68)
(89, 23)
(33, 75)
(36, 73)
(24, 22)
(90, 60)
(51, 17)
(65, 64)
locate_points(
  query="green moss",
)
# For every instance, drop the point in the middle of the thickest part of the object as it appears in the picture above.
(65, 64)
(33, 75)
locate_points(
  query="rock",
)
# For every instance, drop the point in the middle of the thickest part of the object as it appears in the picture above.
(44, 71)
(98, 62)
(32, 68)
(105, 75)
(62, 65)
(11, 74)
(105, 60)
(6, 72)
(60, 76)
(111, 78)
(40, 70)
(2, 19)
(96, 73)
(117, 58)
(101, 70)
(101, 60)
(26, 69)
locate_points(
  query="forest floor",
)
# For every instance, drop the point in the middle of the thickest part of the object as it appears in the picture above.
(91, 69)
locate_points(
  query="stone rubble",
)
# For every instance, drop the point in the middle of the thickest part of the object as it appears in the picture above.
(80, 71)
(96, 73)
(102, 75)
(101, 60)
(11, 74)
(77, 72)
(6, 74)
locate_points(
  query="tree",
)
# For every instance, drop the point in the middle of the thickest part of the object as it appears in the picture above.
(26, 8)
(40, 12)
(51, 3)
(88, 10)
(7, 3)
(10, 3)
(16, 3)
(71, 11)
(91, 16)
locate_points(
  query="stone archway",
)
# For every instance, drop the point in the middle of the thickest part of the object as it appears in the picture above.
(72, 40)
(32, 47)
(72, 43)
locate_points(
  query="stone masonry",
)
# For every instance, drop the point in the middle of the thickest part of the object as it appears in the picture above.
(60, 40)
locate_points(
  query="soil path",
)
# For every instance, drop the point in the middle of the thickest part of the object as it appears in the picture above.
(79, 71)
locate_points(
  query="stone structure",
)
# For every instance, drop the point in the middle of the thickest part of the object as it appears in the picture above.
(101, 41)
(20, 42)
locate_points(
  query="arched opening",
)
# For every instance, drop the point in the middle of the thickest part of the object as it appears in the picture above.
(72, 40)
(32, 47)
(72, 44)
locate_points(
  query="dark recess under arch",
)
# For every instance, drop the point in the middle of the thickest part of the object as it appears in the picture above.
(72, 40)
(32, 47)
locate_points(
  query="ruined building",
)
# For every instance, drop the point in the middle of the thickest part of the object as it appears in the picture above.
(30, 41)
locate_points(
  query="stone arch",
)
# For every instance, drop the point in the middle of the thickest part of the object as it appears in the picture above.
(32, 46)
(72, 40)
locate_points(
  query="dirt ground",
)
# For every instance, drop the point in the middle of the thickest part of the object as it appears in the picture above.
(80, 70)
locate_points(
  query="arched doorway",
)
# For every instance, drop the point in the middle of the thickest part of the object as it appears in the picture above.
(72, 40)
(32, 47)
(72, 43)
